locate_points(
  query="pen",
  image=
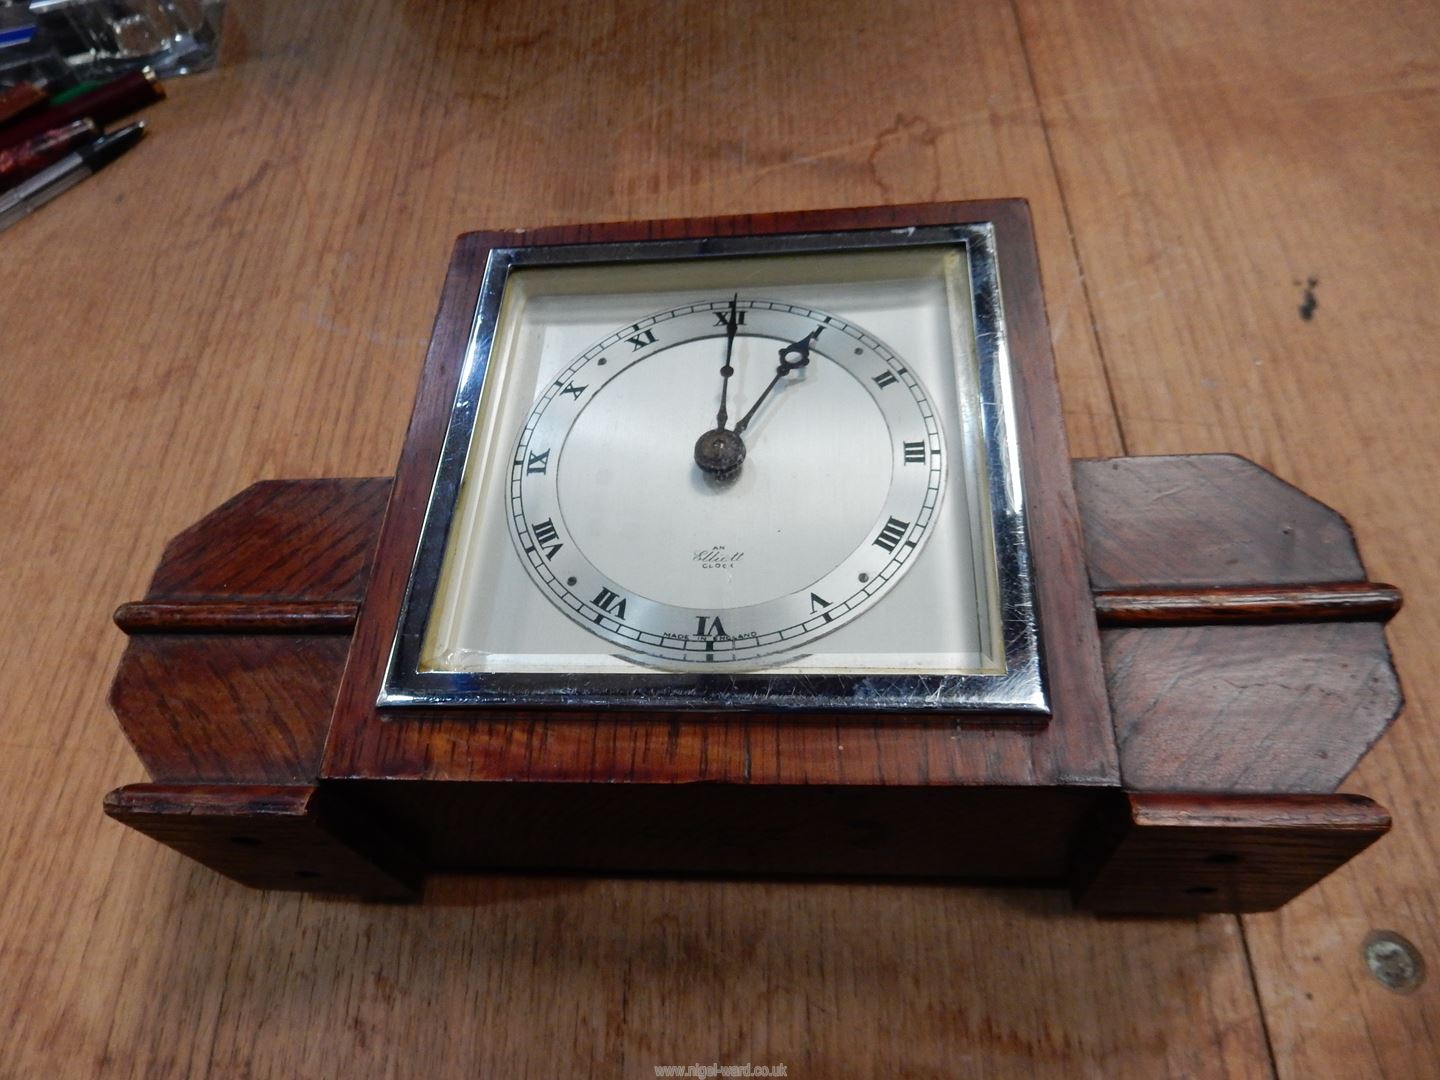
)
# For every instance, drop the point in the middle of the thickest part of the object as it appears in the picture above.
(112, 101)
(75, 91)
(24, 161)
(66, 173)
(20, 98)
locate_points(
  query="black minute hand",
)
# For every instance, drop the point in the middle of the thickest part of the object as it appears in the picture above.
(799, 349)
(731, 325)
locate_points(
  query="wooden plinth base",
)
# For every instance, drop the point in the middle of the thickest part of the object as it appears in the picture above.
(1245, 663)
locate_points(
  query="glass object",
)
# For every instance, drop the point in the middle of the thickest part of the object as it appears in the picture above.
(102, 38)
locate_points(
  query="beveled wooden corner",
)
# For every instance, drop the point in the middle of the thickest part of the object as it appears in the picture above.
(227, 701)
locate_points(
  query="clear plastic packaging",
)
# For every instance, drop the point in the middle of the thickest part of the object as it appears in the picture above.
(69, 41)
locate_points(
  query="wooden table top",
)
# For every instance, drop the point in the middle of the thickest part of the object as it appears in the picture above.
(1238, 227)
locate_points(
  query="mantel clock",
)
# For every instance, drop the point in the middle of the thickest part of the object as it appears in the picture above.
(752, 546)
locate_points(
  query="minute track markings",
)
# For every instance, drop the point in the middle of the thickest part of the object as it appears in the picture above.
(752, 629)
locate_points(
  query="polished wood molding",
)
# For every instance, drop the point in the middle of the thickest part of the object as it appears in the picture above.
(238, 616)
(1184, 606)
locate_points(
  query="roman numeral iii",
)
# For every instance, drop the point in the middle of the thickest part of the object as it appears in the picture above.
(914, 453)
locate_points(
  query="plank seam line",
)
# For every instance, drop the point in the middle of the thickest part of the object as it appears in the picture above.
(1259, 1000)
(1070, 229)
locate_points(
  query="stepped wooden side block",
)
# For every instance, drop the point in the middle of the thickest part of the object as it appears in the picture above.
(1245, 661)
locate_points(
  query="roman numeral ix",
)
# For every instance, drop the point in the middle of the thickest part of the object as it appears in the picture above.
(538, 463)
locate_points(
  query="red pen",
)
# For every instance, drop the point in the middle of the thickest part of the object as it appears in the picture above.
(111, 102)
(21, 98)
(21, 162)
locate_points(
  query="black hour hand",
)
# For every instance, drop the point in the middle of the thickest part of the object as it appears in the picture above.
(800, 349)
(793, 356)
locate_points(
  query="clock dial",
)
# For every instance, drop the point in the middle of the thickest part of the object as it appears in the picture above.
(727, 478)
(650, 519)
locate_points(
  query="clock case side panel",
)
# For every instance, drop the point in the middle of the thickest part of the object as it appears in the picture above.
(230, 729)
(1077, 746)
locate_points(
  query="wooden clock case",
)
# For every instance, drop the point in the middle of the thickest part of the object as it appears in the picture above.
(1216, 661)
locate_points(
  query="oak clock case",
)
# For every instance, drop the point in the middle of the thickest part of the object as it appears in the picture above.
(1144, 678)
(775, 472)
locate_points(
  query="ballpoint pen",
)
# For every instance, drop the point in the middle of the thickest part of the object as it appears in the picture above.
(66, 173)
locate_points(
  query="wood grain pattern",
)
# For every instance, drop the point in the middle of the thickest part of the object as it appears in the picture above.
(250, 708)
(1277, 535)
(1286, 707)
(566, 746)
(238, 616)
(309, 540)
(1160, 605)
(1213, 190)
(309, 842)
(1208, 706)
(1183, 852)
(259, 282)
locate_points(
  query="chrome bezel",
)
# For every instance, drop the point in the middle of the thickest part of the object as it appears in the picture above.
(1020, 691)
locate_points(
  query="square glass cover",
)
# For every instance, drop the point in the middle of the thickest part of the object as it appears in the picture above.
(772, 472)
